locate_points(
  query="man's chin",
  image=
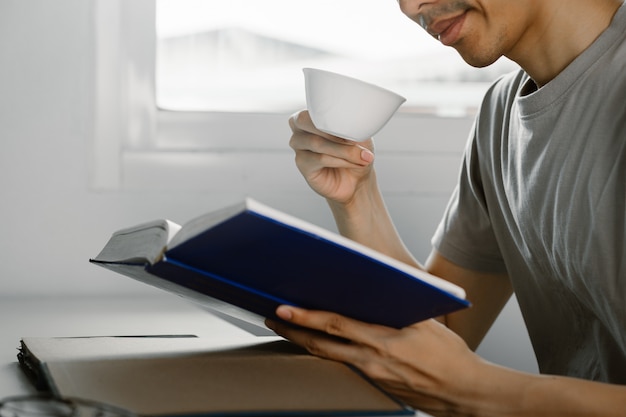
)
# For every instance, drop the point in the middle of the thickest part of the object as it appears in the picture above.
(477, 60)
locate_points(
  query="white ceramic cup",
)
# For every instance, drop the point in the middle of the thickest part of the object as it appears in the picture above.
(346, 107)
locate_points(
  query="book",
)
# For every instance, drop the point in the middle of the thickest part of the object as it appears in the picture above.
(199, 376)
(247, 259)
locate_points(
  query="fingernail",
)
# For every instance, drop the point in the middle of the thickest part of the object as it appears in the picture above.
(284, 313)
(367, 155)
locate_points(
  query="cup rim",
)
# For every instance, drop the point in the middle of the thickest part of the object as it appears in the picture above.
(308, 70)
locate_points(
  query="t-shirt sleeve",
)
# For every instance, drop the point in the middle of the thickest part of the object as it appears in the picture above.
(465, 235)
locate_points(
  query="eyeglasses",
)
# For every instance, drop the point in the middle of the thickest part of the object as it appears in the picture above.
(49, 406)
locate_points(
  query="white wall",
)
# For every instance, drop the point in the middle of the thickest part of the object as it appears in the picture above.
(53, 219)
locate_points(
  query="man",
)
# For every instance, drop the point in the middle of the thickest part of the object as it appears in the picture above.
(539, 209)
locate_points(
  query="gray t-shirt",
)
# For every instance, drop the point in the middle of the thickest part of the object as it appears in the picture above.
(542, 196)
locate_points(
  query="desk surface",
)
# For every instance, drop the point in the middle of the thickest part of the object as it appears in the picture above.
(99, 316)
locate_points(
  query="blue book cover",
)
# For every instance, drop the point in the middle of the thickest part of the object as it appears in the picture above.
(251, 258)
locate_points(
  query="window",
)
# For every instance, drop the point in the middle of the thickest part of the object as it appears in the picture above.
(150, 121)
(216, 55)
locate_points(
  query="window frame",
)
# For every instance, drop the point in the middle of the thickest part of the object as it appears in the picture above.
(126, 117)
(128, 124)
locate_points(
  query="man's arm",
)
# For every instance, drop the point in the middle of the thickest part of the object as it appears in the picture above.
(487, 292)
(367, 221)
(342, 172)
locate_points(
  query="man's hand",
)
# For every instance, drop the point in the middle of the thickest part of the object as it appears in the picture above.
(429, 367)
(424, 365)
(333, 167)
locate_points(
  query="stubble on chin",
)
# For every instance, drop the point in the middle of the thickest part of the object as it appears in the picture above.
(477, 59)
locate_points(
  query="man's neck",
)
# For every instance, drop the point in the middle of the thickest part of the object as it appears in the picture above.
(561, 32)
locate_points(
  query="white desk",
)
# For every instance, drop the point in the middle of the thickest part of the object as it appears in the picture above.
(98, 316)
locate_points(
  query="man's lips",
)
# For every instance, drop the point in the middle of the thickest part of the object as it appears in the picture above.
(447, 30)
